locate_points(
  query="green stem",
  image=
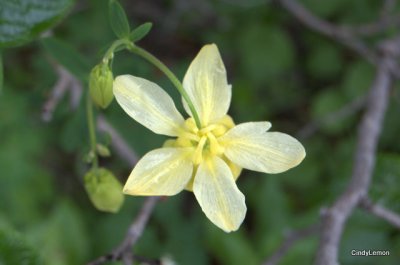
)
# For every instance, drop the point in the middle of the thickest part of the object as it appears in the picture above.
(163, 68)
(110, 52)
(92, 131)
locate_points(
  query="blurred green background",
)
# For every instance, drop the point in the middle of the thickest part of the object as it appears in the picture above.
(280, 72)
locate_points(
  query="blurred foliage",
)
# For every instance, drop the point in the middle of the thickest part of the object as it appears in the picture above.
(22, 20)
(280, 71)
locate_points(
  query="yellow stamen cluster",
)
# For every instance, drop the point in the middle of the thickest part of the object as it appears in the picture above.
(205, 140)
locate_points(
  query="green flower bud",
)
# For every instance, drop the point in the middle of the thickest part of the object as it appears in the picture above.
(104, 190)
(103, 150)
(101, 84)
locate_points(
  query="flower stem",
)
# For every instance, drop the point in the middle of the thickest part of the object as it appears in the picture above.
(163, 68)
(115, 45)
(92, 131)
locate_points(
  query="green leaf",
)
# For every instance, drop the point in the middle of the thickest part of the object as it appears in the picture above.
(234, 248)
(327, 102)
(140, 32)
(62, 236)
(15, 249)
(357, 80)
(1, 73)
(387, 180)
(118, 19)
(266, 52)
(67, 56)
(23, 20)
(325, 61)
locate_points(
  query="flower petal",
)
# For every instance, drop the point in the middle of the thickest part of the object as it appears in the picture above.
(217, 193)
(206, 84)
(148, 104)
(250, 146)
(164, 171)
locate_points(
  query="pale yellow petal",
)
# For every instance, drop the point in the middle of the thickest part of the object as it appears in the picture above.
(206, 84)
(217, 193)
(235, 169)
(250, 146)
(148, 104)
(164, 171)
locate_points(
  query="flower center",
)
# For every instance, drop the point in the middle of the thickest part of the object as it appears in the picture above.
(204, 140)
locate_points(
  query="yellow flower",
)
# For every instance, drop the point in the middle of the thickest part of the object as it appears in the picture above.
(205, 160)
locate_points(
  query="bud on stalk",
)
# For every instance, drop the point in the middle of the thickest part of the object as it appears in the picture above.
(104, 190)
(101, 84)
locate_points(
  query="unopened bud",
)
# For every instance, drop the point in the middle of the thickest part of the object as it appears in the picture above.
(100, 85)
(103, 150)
(104, 190)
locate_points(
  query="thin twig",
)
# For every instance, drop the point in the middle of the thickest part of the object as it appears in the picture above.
(381, 212)
(386, 21)
(339, 34)
(291, 239)
(335, 217)
(387, 7)
(333, 117)
(118, 143)
(123, 252)
(57, 93)
(373, 28)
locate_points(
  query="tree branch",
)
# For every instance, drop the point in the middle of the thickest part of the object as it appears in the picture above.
(380, 211)
(345, 111)
(64, 83)
(123, 252)
(340, 34)
(335, 217)
(118, 143)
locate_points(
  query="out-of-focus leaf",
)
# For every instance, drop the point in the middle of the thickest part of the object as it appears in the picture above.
(363, 232)
(303, 250)
(118, 19)
(1, 72)
(327, 102)
(232, 249)
(267, 193)
(15, 249)
(62, 237)
(140, 32)
(386, 181)
(265, 51)
(324, 61)
(357, 80)
(22, 20)
(325, 8)
(67, 56)
(390, 139)
(18, 201)
(183, 236)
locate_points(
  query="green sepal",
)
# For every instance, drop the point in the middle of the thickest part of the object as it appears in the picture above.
(118, 19)
(104, 190)
(140, 32)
